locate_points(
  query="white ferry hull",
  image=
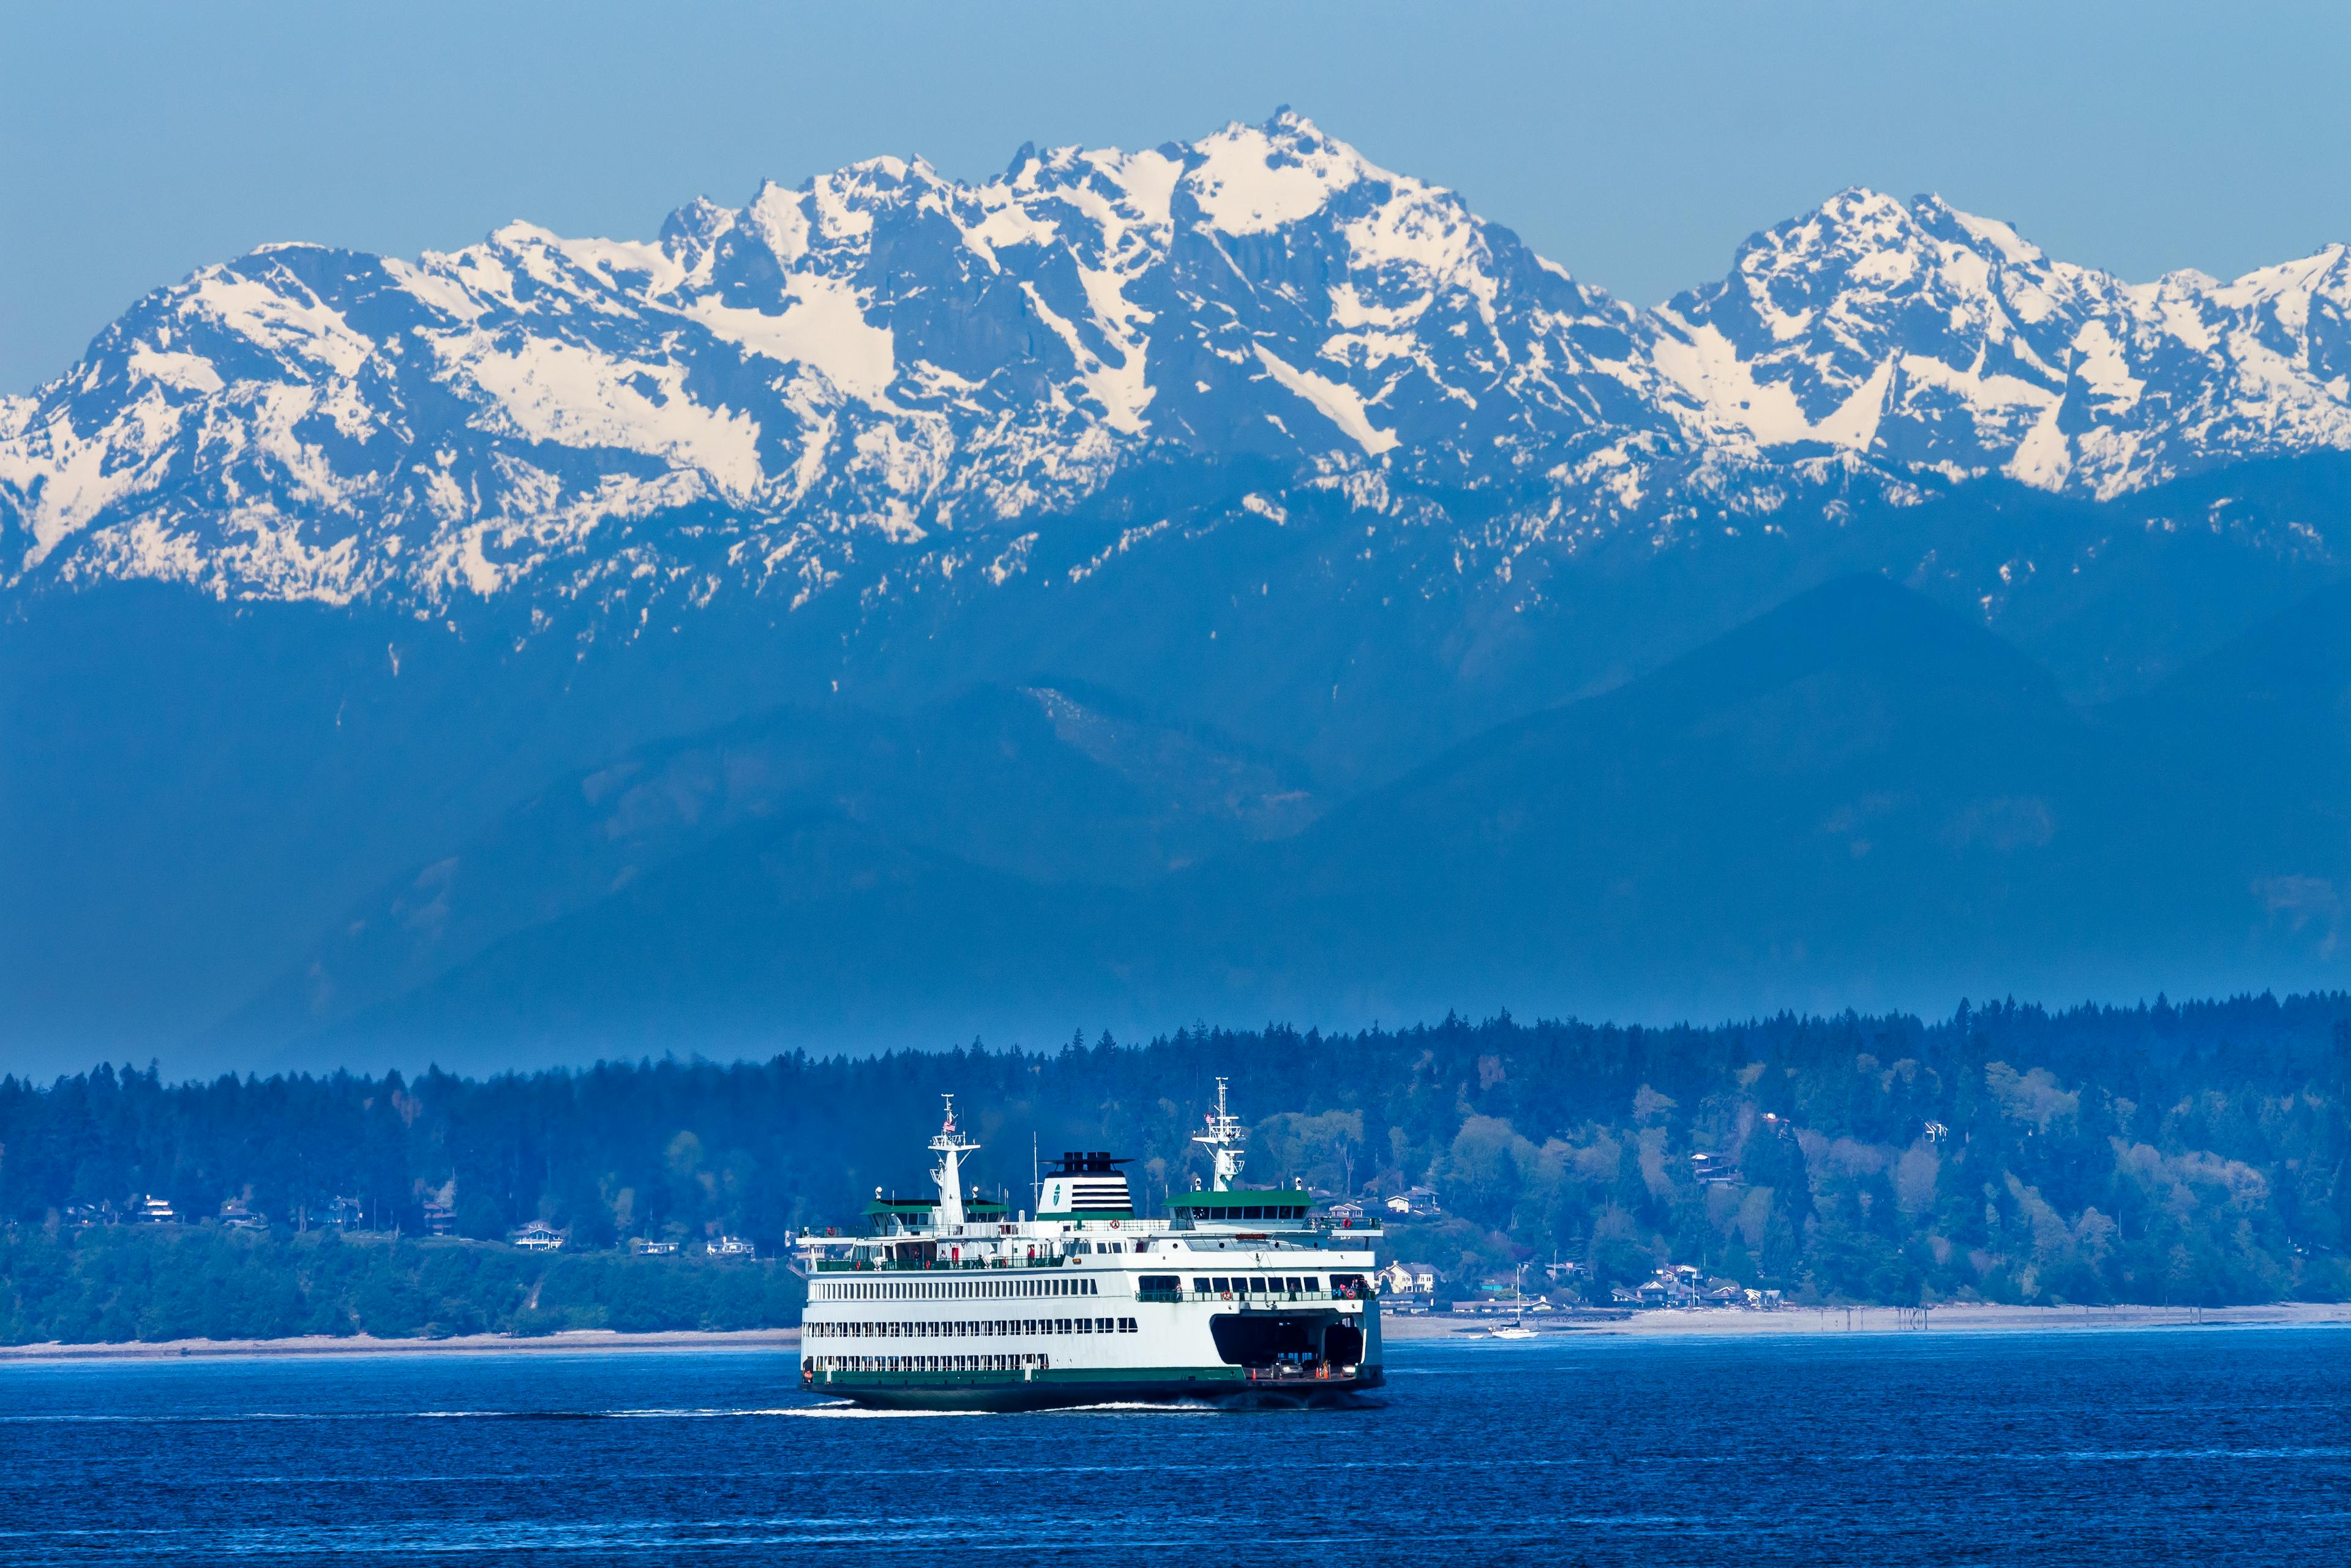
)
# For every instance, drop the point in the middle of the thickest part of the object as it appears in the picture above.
(944, 1381)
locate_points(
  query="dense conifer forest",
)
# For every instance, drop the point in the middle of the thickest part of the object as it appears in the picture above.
(2184, 1154)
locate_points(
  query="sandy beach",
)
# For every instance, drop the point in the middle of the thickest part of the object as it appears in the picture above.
(1787, 1320)
(1884, 1320)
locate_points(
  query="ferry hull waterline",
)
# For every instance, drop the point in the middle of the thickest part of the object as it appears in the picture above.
(1241, 1295)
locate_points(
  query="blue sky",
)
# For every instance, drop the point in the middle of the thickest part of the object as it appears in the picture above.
(1635, 144)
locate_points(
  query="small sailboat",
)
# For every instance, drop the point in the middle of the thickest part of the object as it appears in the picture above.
(1517, 1327)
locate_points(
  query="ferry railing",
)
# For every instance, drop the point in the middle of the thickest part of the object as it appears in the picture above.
(1251, 1298)
(968, 1265)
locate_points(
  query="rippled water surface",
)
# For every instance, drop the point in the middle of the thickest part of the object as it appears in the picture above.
(2203, 1445)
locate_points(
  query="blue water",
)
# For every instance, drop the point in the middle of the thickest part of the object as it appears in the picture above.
(2204, 1444)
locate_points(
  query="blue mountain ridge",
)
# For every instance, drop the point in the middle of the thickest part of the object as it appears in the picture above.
(1217, 579)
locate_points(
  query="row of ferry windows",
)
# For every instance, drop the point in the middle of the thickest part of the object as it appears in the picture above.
(1039, 1360)
(1255, 1285)
(816, 1329)
(956, 1289)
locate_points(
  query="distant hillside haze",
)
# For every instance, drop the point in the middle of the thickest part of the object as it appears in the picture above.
(1228, 582)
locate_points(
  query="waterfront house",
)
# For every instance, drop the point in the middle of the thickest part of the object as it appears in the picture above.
(1397, 1280)
(343, 1214)
(1413, 1200)
(643, 1246)
(239, 1215)
(730, 1247)
(440, 1218)
(538, 1237)
(149, 1209)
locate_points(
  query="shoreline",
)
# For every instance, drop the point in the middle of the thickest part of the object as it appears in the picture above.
(1656, 1323)
(1964, 1318)
(569, 1341)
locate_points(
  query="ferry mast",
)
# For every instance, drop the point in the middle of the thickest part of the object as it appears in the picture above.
(950, 1145)
(1223, 1140)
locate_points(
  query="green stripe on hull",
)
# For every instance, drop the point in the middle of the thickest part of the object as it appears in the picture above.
(1046, 1390)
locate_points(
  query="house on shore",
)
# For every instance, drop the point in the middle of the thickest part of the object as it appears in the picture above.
(1412, 1202)
(239, 1215)
(538, 1237)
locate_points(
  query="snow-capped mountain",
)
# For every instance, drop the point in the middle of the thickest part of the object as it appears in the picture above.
(1924, 337)
(881, 354)
(886, 369)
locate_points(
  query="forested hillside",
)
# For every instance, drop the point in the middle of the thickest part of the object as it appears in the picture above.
(2166, 1154)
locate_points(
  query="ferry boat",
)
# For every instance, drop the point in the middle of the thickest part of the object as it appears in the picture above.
(1239, 1294)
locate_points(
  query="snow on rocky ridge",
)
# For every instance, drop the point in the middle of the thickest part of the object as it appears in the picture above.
(885, 364)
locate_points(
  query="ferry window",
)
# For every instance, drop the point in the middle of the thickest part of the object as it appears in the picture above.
(1257, 1284)
(1200, 1285)
(1221, 1283)
(1295, 1285)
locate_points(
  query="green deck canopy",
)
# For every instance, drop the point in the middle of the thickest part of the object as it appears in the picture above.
(1221, 1205)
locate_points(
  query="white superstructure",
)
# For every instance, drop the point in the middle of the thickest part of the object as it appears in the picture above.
(949, 1301)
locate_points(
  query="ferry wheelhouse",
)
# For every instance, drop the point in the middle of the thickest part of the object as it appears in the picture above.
(950, 1302)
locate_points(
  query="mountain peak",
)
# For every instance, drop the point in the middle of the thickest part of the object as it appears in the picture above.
(883, 359)
(1251, 179)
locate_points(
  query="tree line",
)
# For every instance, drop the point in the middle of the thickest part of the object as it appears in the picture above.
(2184, 1154)
(112, 1285)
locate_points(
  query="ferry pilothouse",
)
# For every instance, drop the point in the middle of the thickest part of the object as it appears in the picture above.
(949, 1302)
